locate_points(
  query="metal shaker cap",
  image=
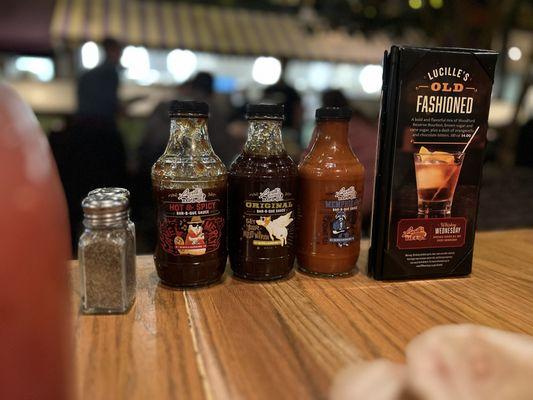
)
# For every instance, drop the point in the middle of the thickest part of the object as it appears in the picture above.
(110, 190)
(105, 209)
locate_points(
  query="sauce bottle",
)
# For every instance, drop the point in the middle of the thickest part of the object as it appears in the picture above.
(189, 183)
(262, 202)
(331, 192)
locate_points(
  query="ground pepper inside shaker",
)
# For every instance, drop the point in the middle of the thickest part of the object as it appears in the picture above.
(107, 256)
(116, 192)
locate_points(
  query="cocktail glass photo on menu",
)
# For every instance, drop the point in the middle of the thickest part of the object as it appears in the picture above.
(437, 173)
(432, 139)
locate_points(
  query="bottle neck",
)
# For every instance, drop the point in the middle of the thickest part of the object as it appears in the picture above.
(264, 138)
(331, 137)
(333, 132)
(188, 137)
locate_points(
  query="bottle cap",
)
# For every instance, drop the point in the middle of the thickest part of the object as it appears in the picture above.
(338, 113)
(180, 108)
(265, 111)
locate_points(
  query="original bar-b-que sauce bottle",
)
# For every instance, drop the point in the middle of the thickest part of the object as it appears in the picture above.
(330, 192)
(189, 183)
(262, 200)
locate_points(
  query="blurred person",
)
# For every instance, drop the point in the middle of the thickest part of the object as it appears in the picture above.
(334, 98)
(282, 93)
(225, 145)
(363, 141)
(155, 137)
(157, 130)
(97, 89)
(459, 361)
(98, 142)
(93, 150)
(524, 148)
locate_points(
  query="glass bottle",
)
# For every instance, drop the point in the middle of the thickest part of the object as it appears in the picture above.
(189, 183)
(106, 253)
(262, 200)
(331, 190)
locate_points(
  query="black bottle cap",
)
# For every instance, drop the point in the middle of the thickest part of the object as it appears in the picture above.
(265, 111)
(338, 113)
(180, 108)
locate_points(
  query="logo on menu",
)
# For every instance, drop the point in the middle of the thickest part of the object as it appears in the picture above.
(435, 93)
(271, 195)
(411, 234)
(453, 72)
(346, 194)
(192, 196)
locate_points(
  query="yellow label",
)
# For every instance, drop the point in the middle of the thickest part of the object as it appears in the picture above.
(267, 242)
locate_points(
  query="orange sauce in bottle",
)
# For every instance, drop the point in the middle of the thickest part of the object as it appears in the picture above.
(331, 180)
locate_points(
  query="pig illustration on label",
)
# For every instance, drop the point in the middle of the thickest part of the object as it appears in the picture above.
(276, 228)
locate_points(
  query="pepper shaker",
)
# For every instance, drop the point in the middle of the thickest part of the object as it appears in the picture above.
(106, 253)
(118, 192)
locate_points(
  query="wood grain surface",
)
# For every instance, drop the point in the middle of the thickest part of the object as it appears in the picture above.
(287, 339)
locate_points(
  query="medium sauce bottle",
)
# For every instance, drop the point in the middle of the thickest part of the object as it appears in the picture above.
(330, 192)
(262, 200)
(189, 183)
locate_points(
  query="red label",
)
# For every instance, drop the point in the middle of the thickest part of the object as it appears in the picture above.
(191, 228)
(426, 233)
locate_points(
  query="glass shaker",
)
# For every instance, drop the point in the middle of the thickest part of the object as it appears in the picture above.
(106, 253)
(115, 191)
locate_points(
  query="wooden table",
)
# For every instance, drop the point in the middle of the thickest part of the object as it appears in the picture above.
(287, 339)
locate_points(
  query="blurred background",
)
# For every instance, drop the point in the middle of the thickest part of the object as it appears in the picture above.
(99, 75)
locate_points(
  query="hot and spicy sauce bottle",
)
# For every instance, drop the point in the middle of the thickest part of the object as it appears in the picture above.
(189, 183)
(330, 192)
(262, 200)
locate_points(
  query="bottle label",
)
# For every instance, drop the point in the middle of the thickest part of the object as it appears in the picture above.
(191, 222)
(339, 217)
(269, 218)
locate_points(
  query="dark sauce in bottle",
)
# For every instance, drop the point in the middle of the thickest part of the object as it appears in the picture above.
(262, 188)
(190, 183)
(179, 263)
